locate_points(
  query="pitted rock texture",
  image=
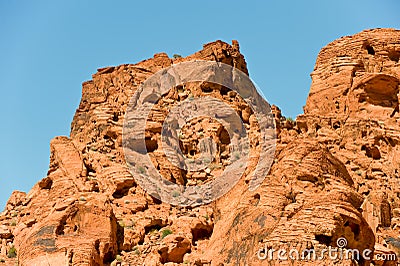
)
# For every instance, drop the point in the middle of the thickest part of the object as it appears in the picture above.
(356, 86)
(336, 173)
(205, 161)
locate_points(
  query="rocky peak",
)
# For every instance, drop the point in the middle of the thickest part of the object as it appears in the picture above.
(335, 173)
(357, 76)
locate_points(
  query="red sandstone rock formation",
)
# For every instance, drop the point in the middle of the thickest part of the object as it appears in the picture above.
(336, 173)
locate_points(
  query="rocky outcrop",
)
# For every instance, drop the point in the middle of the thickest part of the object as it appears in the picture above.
(335, 173)
(353, 108)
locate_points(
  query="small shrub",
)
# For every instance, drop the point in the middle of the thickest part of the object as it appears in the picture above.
(289, 119)
(13, 223)
(175, 56)
(236, 155)
(141, 169)
(82, 198)
(2, 260)
(214, 166)
(12, 253)
(136, 250)
(175, 194)
(206, 160)
(153, 231)
(121, 223)
(118, 258)
(166, 232)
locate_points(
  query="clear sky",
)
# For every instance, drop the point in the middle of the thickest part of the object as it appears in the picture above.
(48, 48)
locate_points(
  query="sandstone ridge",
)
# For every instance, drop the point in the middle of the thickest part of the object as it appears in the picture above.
(336, 172)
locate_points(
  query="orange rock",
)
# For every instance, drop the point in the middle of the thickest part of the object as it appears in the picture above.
(336, 171)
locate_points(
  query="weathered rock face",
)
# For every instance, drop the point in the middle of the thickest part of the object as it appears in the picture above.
(353, 108)
(336, 172)
(357, 76)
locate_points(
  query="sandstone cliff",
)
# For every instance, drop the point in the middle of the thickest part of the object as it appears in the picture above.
(336, 172)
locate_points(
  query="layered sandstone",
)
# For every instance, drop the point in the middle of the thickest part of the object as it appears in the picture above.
(335, 174)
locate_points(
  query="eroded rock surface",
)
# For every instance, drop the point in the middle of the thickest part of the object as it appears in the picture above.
(335, 174)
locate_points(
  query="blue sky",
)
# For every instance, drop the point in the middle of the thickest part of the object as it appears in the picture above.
(48, 48)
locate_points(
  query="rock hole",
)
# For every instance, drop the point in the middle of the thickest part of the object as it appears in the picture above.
(151, 144)
(224, 137)
(255, 199)
(362, 98)
(336, 125)
(70, 258)
(46, 183)
(224, 90)
(391, 142)
(365, 193)
(363, 134)
(95, 187)
(355, 228)
(97, 246)
(156, 226)
(380, 90)
(108, 257)
(395, 110)
(394, 55)
(226, 53)
(121, 192)
(60, 227)
(206, 89)
(371, 152)
(120, 236)
(89, 169)
(324, 239)
(115, 117)
(370, 49)
(202, 232)
(110, 135)
(155, 200)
